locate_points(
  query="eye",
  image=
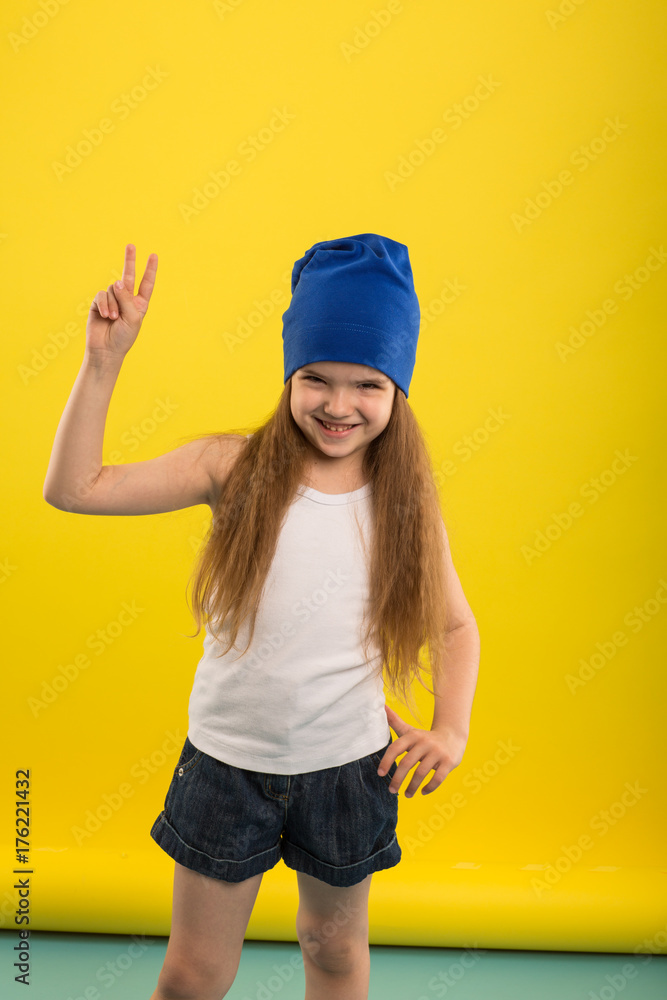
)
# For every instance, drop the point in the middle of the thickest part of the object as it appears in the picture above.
(362, 385)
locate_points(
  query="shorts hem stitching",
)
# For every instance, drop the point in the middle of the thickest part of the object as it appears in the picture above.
(290, 852)
(166, 835)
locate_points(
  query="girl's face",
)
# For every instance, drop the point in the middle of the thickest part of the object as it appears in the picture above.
(344, 395)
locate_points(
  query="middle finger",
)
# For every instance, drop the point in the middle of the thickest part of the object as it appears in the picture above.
(401, 771)
(128, 268)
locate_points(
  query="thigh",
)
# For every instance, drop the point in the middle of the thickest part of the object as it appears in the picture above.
(209, 921)
(330, 913)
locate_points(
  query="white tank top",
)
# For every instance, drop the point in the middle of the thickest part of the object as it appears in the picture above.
(302, 697)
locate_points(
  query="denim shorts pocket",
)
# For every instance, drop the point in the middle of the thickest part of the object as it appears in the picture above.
(190, 757)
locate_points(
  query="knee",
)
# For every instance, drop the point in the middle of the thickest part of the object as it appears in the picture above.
(330, 947)
(184, 981)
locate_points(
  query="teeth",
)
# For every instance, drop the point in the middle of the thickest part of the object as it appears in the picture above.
(337, 427)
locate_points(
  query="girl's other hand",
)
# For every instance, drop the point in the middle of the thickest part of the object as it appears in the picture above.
(116, 315)
(438, 750)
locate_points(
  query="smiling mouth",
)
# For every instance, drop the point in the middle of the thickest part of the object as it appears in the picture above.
(335, 427)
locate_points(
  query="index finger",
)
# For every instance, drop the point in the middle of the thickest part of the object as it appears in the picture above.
(128, 267)
(389, 758)
(148, 280)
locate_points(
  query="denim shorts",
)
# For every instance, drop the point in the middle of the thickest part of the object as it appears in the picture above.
(337, 824)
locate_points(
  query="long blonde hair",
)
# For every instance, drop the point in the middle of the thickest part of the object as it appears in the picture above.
(406, 608)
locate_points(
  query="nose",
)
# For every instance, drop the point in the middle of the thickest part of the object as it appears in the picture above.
(337, 404)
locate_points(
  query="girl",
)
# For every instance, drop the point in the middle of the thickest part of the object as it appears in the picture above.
(326, 568)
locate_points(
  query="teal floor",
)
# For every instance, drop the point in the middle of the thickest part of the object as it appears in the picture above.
(100, 967)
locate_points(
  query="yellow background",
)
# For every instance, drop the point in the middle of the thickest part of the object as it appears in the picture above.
(364, 99)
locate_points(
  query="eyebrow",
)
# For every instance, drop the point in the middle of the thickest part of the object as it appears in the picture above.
(371, 378)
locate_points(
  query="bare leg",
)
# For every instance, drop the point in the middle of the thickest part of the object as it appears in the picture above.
(332, 928)
(208, 924)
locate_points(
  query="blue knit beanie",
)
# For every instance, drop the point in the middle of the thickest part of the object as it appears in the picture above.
(353, 300)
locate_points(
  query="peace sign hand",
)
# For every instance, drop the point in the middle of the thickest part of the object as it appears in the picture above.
(116, 315)
(438, 750)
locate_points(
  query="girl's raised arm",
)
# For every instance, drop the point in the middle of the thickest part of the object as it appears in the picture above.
(76, 480)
